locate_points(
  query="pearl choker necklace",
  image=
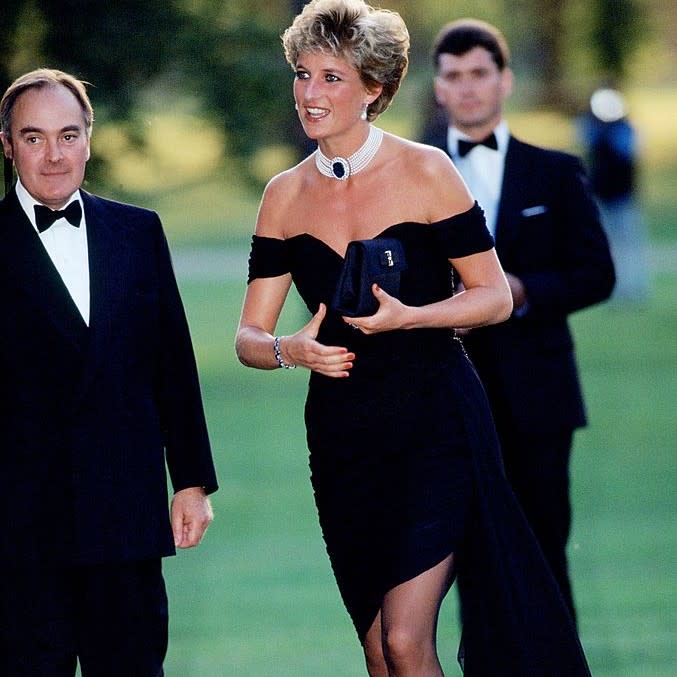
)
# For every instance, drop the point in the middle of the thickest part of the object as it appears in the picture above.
(341, 168)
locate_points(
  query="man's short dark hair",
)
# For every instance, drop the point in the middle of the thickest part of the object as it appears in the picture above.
(460, 36)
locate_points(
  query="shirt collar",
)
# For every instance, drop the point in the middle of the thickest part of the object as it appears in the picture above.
(28, 202)
(502, 138)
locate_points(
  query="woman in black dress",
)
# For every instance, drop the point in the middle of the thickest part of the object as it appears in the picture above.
(402, 451)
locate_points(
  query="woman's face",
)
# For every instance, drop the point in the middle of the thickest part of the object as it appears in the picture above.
(329, 94)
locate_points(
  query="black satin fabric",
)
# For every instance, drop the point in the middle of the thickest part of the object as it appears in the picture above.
(406, 468)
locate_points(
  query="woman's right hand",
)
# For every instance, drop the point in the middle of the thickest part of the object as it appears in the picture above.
(303, 349)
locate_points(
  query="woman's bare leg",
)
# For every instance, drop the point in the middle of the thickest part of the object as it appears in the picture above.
(408, 620)
(401, 641)
(373, 650)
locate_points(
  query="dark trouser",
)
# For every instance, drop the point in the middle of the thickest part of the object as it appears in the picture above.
(113, 618)
(538, 470)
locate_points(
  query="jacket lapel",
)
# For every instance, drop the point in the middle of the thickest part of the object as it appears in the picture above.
(108, 266)
(515, 177)
(27, 262)
(108, 270)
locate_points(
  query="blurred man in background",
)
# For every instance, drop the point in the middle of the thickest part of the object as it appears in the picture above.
(99, 385)
(555, 254)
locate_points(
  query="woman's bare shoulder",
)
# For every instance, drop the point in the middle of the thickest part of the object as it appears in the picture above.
(279, 197)
(429, 171)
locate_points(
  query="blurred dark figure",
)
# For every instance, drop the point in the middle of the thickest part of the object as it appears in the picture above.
(611, 144)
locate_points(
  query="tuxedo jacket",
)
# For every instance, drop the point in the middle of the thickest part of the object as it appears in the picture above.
(92, 417)
(548, 234)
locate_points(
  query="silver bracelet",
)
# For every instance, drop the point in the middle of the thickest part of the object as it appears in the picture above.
(278, 355)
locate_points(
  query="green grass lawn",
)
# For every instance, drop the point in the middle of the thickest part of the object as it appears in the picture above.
(258, 599)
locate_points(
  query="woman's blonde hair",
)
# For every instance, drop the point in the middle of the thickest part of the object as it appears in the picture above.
(375, 42)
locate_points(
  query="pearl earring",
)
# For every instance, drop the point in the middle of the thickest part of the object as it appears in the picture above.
(363, 114)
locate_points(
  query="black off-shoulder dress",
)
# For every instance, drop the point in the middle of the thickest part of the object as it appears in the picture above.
(406, 467)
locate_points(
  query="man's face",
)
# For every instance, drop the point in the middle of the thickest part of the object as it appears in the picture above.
(48, 143)
(471, 88)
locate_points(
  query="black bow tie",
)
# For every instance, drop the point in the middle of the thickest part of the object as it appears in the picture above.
(464, 147)
(45, 217)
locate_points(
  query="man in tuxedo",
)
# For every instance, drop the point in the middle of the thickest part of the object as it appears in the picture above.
(555, 254)
(99, 386)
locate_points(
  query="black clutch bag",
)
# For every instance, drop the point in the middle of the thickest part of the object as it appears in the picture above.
(367, 262)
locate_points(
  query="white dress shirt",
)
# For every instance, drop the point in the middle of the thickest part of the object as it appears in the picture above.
(67, 247)
(482, 169)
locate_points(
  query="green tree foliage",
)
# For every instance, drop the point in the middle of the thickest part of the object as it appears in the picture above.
(618, 26)
(227, 55)
(118, 46)
(10, 13)
(237, 68)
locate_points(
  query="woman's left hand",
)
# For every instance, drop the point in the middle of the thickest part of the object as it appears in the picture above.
(389, 315)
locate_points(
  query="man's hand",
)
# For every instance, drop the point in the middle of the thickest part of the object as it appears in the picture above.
(191, 515)
(518, 291)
